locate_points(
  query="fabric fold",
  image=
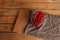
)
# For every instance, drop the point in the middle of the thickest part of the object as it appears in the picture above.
(44, 26)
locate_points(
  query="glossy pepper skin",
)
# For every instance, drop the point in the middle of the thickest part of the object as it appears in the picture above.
(38, 18)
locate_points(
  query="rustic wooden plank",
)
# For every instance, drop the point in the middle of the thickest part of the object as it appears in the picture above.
(52, 12)
(8, 36)
(6, 27)
(21, 21)
(33, 5)
(11, 12)
(3, 10)
(37, 0)
(41, 5)
(11, 19)
(8, 12)
(30, 1)
(7, 19)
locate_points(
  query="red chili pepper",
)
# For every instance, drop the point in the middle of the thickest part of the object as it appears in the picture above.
(38, 18)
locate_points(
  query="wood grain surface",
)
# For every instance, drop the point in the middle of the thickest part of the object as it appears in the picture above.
(10, 8)
(8, 36)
